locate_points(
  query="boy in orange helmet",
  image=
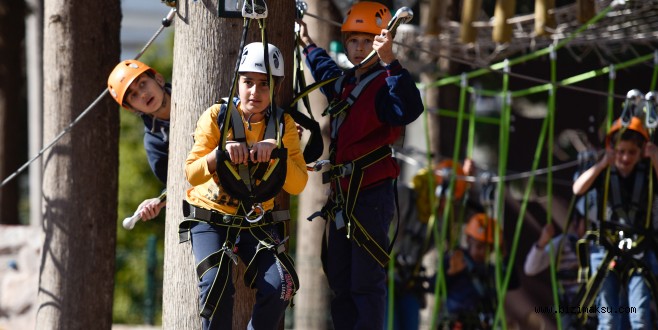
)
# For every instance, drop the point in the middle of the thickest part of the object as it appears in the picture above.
(138, 88)
(369, 107)
(470, 277)
(627, 150)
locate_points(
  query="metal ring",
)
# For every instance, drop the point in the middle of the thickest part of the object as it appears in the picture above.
(260, 215)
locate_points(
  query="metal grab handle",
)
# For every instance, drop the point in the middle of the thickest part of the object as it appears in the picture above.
(403, 15)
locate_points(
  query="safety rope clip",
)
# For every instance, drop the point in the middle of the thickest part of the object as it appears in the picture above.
(255, 9)
(301, 7)
(260, 213)
(318, 165)
(624, 243)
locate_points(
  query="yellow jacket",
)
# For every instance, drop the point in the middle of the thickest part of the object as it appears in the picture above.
(206, 191)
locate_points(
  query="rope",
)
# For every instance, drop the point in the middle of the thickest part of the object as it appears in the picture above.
(165, 23)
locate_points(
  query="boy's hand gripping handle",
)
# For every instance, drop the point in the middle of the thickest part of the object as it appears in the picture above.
(403, 15)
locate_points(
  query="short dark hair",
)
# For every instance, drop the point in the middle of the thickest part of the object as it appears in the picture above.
(631, 136)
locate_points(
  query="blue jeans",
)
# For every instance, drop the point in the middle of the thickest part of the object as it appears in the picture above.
(614, 302)
(273, 292)
(357, 281)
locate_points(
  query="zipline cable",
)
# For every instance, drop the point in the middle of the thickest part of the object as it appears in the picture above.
(166, 22)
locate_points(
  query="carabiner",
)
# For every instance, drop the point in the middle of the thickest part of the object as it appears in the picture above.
(255, 9)
(318, 165)
(651, 117)
(260, 214)
(633, 99)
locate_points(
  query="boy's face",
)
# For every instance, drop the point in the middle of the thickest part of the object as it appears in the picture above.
(358, 46)
(254, 92)
(478, 250)
(627, 155)
(145, 94)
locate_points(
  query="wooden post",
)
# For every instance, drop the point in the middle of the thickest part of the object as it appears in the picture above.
(543, 18)
(470, 13)
(502, 31)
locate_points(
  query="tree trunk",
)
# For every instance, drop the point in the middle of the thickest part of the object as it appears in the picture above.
(81, 45)
(12, 32)
(205, 52)
(312, 301)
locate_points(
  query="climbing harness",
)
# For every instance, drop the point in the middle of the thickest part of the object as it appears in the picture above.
(252, 183)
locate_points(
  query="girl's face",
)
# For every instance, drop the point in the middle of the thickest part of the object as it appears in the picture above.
(254, 92)
(358, 46)
(146, 94)
(627, 155)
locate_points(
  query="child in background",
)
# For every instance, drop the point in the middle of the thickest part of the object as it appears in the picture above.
(632, 158)
(138, 88)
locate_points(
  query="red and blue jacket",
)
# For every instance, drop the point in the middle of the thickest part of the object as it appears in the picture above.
(375, 119)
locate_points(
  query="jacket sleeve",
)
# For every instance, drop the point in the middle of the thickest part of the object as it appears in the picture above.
(399, 102)
(206, 138)
(322, 67)
(536, 261)
(296, 174)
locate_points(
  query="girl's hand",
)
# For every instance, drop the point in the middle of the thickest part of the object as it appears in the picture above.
(261, 151)
(238, 152)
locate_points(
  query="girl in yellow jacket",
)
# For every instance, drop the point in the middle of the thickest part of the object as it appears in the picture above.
(222, 223)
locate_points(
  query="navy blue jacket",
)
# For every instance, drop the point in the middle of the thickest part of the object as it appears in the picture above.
(156, 143)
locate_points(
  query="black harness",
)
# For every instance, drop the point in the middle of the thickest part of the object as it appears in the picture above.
(253, 183)
(340, 205)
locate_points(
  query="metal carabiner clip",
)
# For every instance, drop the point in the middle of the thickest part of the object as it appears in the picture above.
(260, 214)
(651, 117)
(254, 9)
(633, 99)
(625, 243)
(318, 165)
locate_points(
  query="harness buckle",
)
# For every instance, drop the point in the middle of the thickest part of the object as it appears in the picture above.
(345, 170)
(259, 214)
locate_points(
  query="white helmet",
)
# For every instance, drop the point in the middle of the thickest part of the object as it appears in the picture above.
(252, 59)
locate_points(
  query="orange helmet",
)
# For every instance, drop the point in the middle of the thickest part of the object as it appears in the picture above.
(367, 17)
(481, 227)
(122, 76)
(635, 125)
(460, 185)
